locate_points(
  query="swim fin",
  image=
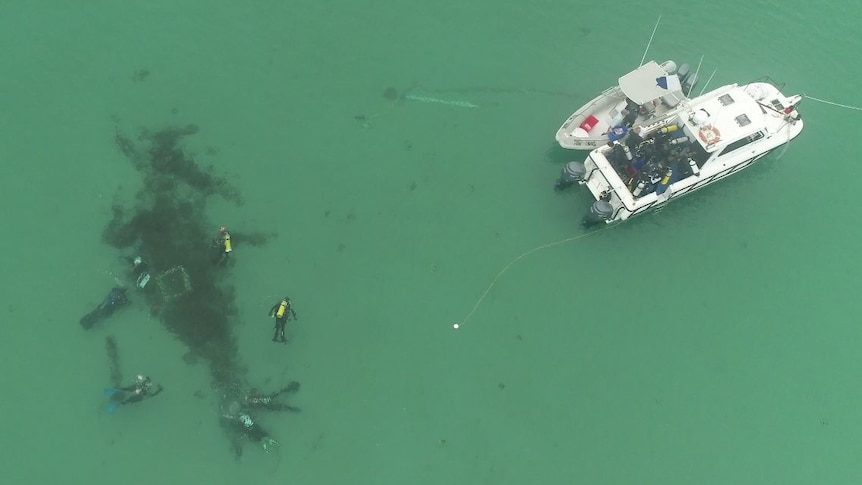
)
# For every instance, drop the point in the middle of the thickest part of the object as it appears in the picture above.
(110, 392)
(293, 386)
(269, 444)
(110, 408)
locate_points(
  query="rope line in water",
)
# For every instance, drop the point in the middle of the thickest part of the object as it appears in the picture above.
(522, 256)
(857, 108)
(465, 104)
(426, 99)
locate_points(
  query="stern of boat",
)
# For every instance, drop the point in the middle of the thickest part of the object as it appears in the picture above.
(606, 187)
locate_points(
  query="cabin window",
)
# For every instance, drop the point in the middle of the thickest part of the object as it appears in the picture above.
(725, 100)
(741, 143)
(742, 120)
(777, 105)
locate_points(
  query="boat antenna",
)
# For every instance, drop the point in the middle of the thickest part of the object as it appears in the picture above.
(650, 40)
(707, 81)
(697, 70)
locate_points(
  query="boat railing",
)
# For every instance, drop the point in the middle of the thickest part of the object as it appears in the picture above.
(610, 90)
(588, 108)
(702, 181)
(767, 79)
(590, 175)
(609, 186)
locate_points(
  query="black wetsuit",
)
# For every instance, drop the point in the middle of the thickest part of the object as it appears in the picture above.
(222, 247)
(239, 425)
(267, 401)
(139, 391)
(280, 322)
(116, 299)
(141, 274)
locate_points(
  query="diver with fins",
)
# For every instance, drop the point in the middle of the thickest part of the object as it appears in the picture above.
(142, 388)
(140, 271)
(116, 299)
(256, 399)
(240, 425)
(281, 311)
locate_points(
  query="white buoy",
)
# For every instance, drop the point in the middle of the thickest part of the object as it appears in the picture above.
(455, 326)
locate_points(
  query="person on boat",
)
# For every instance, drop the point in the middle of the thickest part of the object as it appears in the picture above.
(281, 311)
(223, 247)
(115, 299)
(256, 399)
(629, 117)
(617, 132)
(142, 388)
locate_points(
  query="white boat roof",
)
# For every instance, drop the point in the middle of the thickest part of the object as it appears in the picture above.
(732, 111)
(640, 85)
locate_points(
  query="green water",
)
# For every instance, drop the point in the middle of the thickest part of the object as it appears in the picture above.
(715, 342)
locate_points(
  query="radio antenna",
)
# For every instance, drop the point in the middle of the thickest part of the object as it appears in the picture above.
(650, 40)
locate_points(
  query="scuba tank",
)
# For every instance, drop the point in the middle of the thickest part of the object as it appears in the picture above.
(628, 152)
(694, 168)
(639, 189)
(664, 183)
(668, 129)
(573, 172)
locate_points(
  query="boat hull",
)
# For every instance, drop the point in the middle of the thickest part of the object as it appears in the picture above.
(604, 108)
(587, 127)
(599, 185)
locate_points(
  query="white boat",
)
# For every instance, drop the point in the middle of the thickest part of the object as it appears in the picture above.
(635, 99)
(700, 142)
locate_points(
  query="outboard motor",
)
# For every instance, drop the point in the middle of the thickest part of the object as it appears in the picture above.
(600, 211)
(572, 173)
(683, 72)
(689, 83)
(669, 67)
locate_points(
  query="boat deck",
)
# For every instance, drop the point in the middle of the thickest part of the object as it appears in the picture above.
(636, 92)
(669, 156)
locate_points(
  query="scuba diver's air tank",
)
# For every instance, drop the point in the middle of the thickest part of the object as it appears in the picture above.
(639, 189)
(694, 168)
(669, 129)
(665, 182)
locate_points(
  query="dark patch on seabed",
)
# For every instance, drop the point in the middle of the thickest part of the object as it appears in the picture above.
(114, 359)
(169, 226)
